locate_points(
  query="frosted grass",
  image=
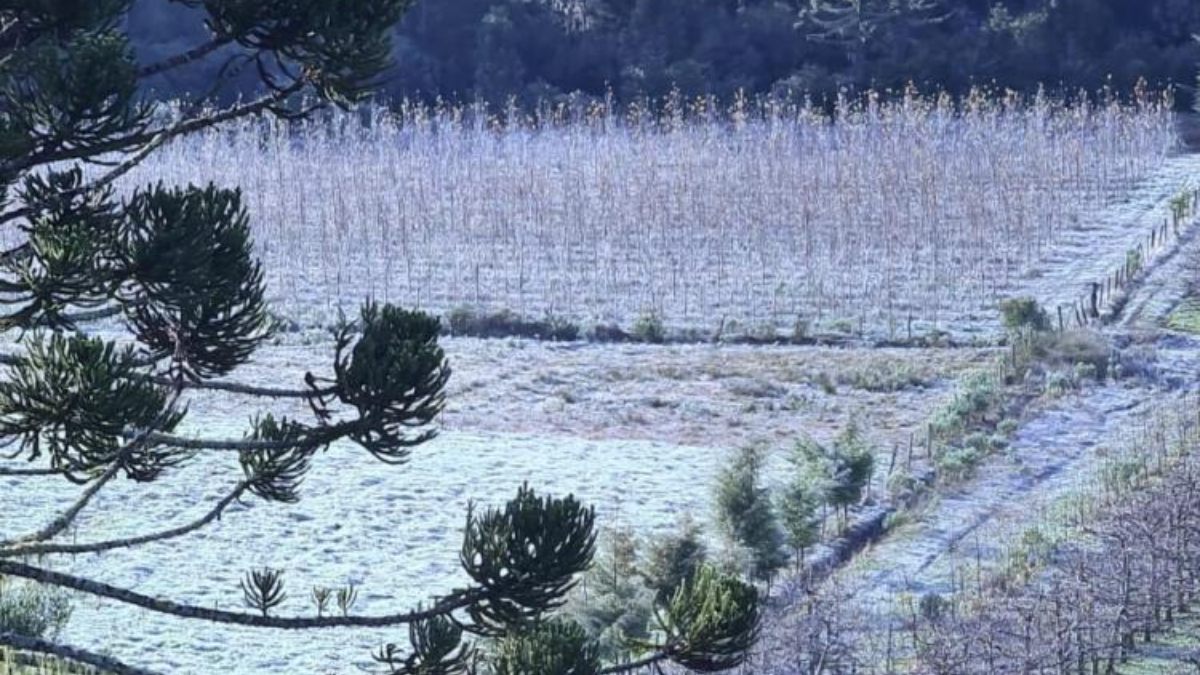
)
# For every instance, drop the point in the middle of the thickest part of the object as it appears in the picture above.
(917, 209)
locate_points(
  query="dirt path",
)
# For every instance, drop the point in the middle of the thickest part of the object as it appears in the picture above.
(1051, 454)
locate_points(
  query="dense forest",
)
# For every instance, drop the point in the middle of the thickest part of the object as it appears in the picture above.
(540, 49)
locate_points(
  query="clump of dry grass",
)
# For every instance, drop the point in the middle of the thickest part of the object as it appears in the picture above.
(18, 663)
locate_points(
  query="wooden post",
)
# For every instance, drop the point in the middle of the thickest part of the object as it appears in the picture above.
(1095, 300)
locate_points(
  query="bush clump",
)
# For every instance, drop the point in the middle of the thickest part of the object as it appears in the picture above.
(649, 328)
(956, 464)
(978, 394)
(1024, 314)
(31, 610)
(1085, 351)
(466, 322)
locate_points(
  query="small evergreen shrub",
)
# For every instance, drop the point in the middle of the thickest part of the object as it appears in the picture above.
(956, 464)
(1024, 314)
(674, 559)
(613, 604)
(649, 328)
(799, 510)
(746, 514)
(840, 472)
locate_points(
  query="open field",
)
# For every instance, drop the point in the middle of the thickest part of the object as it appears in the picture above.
(642, 460)
(903, 210)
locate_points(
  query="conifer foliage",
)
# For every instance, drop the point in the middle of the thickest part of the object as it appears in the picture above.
(176, 266)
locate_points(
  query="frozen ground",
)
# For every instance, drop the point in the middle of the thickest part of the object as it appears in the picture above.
(638, 431)
(1090, 247)
(1098, 245)
(967, 531)
(909, 212)
(393, 531)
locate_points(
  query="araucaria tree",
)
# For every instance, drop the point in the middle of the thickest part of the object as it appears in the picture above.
(175, 265)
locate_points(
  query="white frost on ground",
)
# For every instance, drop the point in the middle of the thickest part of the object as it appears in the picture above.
(395, 531)
(1098, 247)
(838, 224)
(638, 431)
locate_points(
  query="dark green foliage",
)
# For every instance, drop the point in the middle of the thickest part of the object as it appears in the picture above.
(394, 375)
(436, 649)
(76, 94)
(343, 44)
(673, 559)
(461, 49)
(63, 17)
(1024, 314)
(526, 557)
(263, 589)
(799, 507)
(73, 238)
(554, 647)
(464, 321)
(187, 256)
(276, 474)
(746, 514)
(711, 621)
(74, 397)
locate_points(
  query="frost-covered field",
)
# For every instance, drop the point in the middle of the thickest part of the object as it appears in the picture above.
(907, 209)
(395, 530)
(921, 210)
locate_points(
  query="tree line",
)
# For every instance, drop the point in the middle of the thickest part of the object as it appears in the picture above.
(494, 50)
